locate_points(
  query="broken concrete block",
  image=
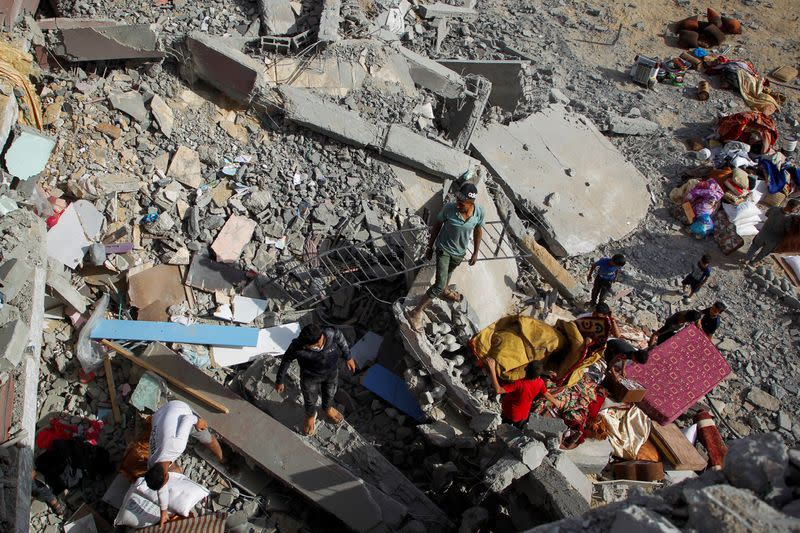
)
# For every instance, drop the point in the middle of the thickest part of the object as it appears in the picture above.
(438, 433)
(486, 421)
(546, 427)
(473, 519)
(726, 508)
(131, 103)
(225, 68)
(430, 75)
(307, 109)
(163, 114)
(439, 10)
(9, 113)
(68, 23)
(574, 476)
(763, 399)
(14, 275)
(632, 126)
(329, 21)
(29, 152)
(531, 453)
(502, 474)
(464, 114)
(568, 155)
(591, 456)
(66, 291)
(14, 337)
(12, 10)
(135, 41)
(641, 520)
(185, 167)
(546, 488)
(232, 238)
(425, 154)
(277, 17)
(7, 205)
(503, 74)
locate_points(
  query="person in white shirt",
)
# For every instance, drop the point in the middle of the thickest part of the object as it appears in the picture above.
(172, 425)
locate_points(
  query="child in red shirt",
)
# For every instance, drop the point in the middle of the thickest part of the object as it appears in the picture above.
(518, 396)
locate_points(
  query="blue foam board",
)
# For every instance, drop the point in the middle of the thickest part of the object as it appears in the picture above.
(393, 389)
(141, 330)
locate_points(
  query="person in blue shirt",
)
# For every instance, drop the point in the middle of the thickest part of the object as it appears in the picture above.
(458, 224)
(698, 276)
(608, 269)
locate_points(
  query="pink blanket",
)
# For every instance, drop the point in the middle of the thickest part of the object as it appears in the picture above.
(679, 372)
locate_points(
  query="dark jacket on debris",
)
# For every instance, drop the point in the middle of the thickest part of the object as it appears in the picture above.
(316, 364)
(69, 462)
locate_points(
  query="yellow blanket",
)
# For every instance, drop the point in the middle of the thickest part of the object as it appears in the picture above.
(752, 90)
(515, 341)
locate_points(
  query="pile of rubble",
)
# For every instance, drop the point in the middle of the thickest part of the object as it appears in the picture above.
(252, 166)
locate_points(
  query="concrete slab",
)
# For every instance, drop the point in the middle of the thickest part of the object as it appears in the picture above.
(546, 488)
(574, 476)
(307, 109)
(28, 152)
(68, 23)
(12, 10)
(14, 275)
(66, 291)
(275, 448)
(135, 41)
(504, 75)
(131, 103)
(592, 456)
(464, 114)
(225, 68)
(563, 153)
(185, 167)
(439, 9)
(430, 75)
(425, 154)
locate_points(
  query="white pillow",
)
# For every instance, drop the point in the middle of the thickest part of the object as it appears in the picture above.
(140, 507)
(742, 211)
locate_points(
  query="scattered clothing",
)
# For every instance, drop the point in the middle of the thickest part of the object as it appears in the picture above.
(519, 396)
(628, 429)
(751, 87)
(752, 127)
(456, 233)
(69, 462)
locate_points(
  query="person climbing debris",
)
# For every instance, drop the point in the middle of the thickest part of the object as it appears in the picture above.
(608, 269)
(700, 273)
(172, 425)
(317, 351)
(619, 354)
(448, 241)
(772, 232)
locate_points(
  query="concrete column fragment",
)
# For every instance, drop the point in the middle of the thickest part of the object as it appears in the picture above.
(135, 41)
(464, 114)
(329, 21)
(433, 157)
(226, 69)
(277, 17)
(430, 75)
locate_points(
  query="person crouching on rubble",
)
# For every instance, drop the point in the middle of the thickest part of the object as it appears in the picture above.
(673, 325)
(449, 238)
(518, 396)
(317, 351)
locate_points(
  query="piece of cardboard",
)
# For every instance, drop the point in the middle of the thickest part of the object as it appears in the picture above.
(152, 291)
(688, 210)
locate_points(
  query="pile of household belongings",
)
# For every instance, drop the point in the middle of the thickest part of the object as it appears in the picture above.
(740, 169)
(636, 414)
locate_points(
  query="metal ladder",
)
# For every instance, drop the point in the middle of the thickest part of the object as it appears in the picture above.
(319, 274)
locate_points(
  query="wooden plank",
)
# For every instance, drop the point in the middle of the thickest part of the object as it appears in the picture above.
(676, 448)
(787, 269)
(112, 390)
(197, 394)
(277, 449)
(140, 330)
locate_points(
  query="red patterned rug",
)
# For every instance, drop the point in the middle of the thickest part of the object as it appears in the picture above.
(678, 373)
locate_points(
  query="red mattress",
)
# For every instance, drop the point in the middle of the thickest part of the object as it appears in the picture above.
(678, 373)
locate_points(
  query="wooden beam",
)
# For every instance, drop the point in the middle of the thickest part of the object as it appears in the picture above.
(171, 379)
(112, 389)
